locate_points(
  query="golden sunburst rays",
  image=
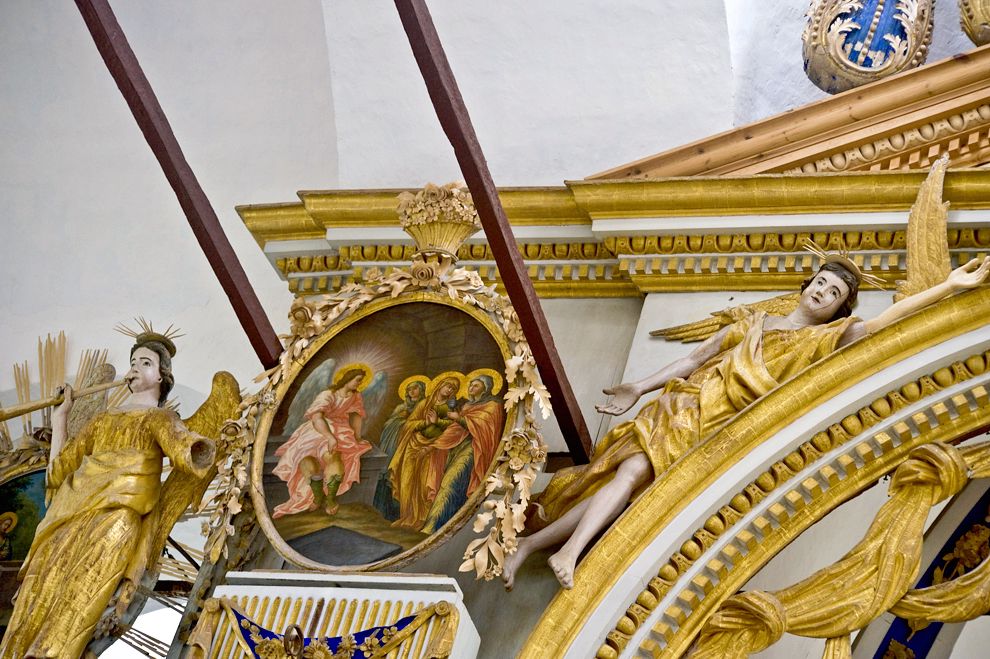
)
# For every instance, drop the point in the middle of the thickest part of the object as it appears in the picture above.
(371, 358)
(146, 332)
(347, 369)
(842, 258)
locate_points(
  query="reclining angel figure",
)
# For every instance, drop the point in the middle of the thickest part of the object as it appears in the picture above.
(99, 544)
(699, 393)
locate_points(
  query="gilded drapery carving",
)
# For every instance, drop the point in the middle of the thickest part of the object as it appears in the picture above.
(874, 577)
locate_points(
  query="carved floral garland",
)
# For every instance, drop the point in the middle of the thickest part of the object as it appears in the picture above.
(521, 454)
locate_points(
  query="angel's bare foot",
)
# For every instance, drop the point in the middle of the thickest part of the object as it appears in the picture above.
(512, 563)
(562, 564)
(332, 509)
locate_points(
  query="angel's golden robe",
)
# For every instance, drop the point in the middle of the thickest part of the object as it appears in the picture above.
(99, 528)
(751, 362)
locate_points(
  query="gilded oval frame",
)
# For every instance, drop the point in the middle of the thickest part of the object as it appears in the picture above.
(265, 420)
(16, 464)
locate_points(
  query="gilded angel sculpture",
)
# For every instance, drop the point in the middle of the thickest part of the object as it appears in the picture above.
(700, 392)
(110, 513)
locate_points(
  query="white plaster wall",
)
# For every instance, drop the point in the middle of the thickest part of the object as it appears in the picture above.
(92, 234)
(767, 66)
(556, 90)
(973, 641)
(593, 338)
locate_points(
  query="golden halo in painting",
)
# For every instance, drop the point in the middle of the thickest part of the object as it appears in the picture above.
(349, 371)
(496, 384)
(22, 507)
(11, 519)
(454, 379)
(421, 379)
(406, 466)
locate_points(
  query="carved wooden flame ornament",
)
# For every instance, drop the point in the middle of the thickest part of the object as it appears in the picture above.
(848, 43)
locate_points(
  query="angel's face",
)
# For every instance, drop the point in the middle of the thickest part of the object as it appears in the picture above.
(144, 373)
(352, 385)
(824, 295)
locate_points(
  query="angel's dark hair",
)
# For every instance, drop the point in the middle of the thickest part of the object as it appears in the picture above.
(851, 280)
(348, 375)
(164, 367)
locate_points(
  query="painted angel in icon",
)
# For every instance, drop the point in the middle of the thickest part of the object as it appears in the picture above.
(322, 458)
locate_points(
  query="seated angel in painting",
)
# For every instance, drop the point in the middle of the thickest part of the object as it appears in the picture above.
(322, 457)
(110, 512)
(699, 393)
(415, 390)
(407, 471)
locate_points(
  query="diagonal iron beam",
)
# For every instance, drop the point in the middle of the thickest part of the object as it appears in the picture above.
(456, 123)
(141, 99)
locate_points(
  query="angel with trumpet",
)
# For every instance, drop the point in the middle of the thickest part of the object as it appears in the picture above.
(110, 514)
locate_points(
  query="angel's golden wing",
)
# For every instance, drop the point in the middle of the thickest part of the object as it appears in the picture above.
(218, 408)
(87, 407)
(702, 329)
(181, 490)
(927, 245)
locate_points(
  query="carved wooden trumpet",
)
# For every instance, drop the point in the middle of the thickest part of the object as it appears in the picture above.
(35, 405)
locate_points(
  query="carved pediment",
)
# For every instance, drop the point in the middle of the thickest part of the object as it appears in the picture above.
(899, 123)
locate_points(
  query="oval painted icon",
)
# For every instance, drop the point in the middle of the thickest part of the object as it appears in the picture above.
(381, 442)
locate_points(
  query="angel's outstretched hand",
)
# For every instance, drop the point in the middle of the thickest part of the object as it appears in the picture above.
(624, 396)
(969, 275)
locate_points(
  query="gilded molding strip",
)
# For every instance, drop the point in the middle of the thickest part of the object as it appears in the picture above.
(599, 201)
(964, 136)
(769, 194)
(816, 472)
(695, 472)
(771, 261)
(769, 272)
(774, 194)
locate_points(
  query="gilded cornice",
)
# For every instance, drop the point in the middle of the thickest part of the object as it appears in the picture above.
(288, 221)
(609, 559)
(903, 122)
(631, 237)
(376, 208)
(773, 194)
